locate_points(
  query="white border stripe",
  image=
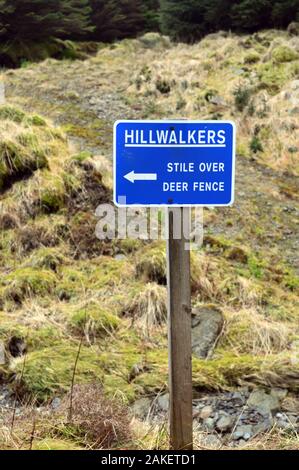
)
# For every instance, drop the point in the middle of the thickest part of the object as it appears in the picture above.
(177, 145)
(174, 121)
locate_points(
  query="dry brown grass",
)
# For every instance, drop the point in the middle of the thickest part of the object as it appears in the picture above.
(149, 307)
(101, 423)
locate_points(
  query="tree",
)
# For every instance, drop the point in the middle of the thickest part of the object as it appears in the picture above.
(284, 11)
(251, 15)
(183, 20)
(217, 15)
(30, 20)
(150, 10)
(116, 19)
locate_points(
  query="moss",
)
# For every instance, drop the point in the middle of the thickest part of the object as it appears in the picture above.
(256, 266)
(11, 113)
(36, 120)
(50, 370)
(94, 320)
(55, 444)
(47, 258)
(291, 280)
(230, 371)
(282, 54)
(272, 76)
(17, 159)
(252, 57)
(151, 264)
(28, 282)
(82, 156)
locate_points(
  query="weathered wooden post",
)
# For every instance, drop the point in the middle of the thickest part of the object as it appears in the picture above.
(179, 328)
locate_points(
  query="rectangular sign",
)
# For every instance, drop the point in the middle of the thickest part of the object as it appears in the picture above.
(174, 163)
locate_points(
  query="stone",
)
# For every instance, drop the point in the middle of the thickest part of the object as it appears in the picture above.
(207, 323)
(224, 424)
(294, 110)
(141, 407)
(55, 403)
(295, 85)
(163, 402)
(263, 402)
(120, 257)
(209, 423)
(242, 431)
(280, 393)
(206, 412)
(261, 427)
(293, 28)
(210, 441)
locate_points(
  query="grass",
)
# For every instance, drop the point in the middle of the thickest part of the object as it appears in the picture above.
(61, 287)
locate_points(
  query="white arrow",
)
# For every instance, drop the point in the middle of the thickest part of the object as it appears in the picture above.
(132, 176)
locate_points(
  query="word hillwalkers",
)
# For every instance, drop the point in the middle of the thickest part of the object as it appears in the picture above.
(171, 137)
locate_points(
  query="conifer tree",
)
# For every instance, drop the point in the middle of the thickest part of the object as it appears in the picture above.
(183, 20)
(116, 19)
(28, 20)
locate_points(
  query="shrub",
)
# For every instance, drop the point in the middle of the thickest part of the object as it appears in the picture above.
(242, 96)
(256, 145)
(163, 86)
(149, 307)
(282, 54)
(93, 320)
(27, 282)
(252, 57)
(95, 420)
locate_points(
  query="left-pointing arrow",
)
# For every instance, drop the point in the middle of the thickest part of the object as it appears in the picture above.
(132, 176)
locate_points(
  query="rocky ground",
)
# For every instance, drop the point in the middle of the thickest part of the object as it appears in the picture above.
(61, 289)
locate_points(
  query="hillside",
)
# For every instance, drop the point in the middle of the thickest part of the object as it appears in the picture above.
(68, 300)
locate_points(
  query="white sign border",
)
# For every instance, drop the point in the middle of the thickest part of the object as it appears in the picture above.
(176, 121)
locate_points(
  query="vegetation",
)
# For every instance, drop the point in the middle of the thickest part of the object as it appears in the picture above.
(190, 20)
(37, 29)
(92, 313)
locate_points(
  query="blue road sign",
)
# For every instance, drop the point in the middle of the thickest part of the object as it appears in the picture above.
(174, 163)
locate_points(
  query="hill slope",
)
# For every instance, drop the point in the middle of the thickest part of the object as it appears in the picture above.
(64, 291)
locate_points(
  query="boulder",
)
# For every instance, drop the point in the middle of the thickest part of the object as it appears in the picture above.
(163, 402)
(263, 402)
(206, 412)
(224, 424)
(141, 407)
(207, 323)
(245, 431)
(293, 28)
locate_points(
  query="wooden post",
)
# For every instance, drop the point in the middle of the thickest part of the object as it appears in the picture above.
(179, 325)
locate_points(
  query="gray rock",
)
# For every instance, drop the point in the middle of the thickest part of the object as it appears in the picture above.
(294, 110)
(263, 402)
(163, 402)
(120, 257)
(261, 427)
(224, 424)
(207, 323)
(141, 407)
(209, 424)
(206, 412)
(293, 28)
(280, 393)
(55, 403)
(242, 431)
(210, 441)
